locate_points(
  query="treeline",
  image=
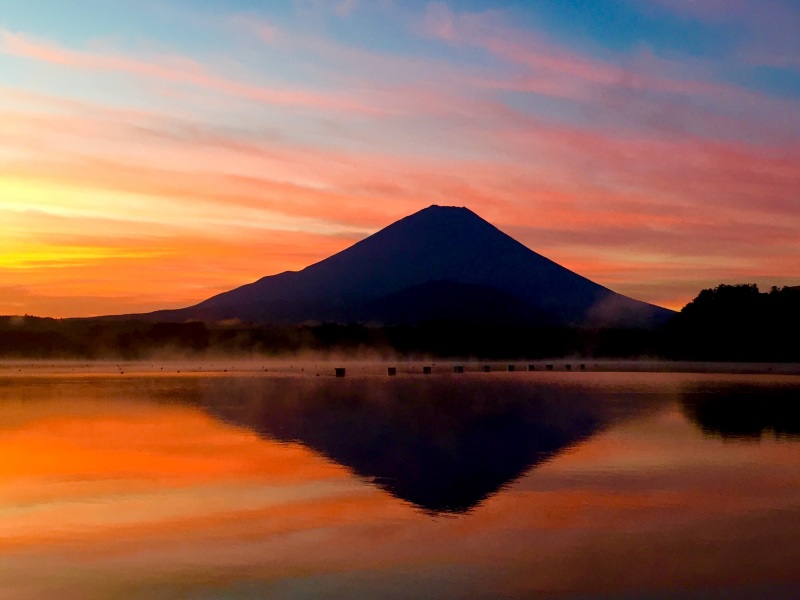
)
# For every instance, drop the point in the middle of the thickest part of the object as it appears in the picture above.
(737, 323)
(33, 337)
(727, 323)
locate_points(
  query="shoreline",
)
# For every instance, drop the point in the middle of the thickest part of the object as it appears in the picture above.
(325, 367)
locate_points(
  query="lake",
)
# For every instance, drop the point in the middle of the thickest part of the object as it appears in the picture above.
(285, 484)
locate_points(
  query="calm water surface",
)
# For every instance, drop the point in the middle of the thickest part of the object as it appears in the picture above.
(502, 485)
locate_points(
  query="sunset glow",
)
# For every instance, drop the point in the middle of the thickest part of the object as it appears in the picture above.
(153, 154)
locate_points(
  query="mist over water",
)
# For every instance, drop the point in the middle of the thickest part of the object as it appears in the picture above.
(286, 484)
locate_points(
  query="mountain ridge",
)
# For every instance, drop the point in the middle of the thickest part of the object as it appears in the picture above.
(450, 245)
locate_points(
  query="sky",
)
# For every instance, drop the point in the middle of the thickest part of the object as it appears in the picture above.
(156, 152)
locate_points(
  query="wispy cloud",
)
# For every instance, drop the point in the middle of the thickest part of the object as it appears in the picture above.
(628, 166)
(765, 29)
(551, 68)
(178, 70)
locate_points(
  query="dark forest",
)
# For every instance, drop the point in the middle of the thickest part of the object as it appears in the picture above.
(726, 323)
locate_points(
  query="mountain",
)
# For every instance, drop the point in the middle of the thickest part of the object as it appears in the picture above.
(438, 263)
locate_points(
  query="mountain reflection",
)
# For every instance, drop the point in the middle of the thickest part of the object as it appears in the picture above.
(745, 414)
(443, 444)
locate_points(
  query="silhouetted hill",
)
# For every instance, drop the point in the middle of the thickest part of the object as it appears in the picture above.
(441, 262)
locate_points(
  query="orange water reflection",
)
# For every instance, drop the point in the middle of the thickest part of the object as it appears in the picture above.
(131, 490)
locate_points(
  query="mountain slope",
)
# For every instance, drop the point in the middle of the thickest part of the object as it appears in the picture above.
(447, 245)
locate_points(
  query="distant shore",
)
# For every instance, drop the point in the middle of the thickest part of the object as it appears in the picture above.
(326, 366)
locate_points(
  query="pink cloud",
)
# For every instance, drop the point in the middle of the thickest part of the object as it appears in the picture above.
(179, 70)
(552, 70)
(652, 92)
(766, 29)
(635, 206)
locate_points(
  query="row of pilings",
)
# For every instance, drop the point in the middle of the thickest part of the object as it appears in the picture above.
(428, 369)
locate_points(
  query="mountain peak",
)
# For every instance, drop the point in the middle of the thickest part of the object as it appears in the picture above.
(437, 208)
(440, 228)
(446, 211)
(442, 214)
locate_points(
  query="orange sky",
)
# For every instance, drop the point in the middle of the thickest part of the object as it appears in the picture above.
(155, 156)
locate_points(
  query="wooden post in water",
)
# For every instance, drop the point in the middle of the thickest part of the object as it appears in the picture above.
(340, 371)
(392, 371)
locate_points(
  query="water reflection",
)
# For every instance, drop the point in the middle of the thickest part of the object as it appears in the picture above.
(444, 444)
(745, 414)
(142, 487)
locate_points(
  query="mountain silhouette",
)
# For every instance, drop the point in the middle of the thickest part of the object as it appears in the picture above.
(444, 444)
(438, 263)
